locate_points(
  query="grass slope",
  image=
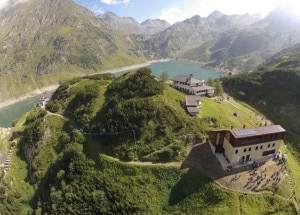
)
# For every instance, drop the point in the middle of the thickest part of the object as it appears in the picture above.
(274, 92)
(70, 174)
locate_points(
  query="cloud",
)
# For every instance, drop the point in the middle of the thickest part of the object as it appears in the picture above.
(189, 8)
(97, 10)
(10, 3)
(3, 3)
(115, 1)
(205, 7)
(172, 14)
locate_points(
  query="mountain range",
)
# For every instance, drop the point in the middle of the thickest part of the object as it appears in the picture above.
(64, 160)
(43, 42)
(130, 26)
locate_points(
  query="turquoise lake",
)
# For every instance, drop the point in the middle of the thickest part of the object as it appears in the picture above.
(173, 68)
(10, 113)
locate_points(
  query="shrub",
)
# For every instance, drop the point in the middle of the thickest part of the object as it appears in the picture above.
(53, 106)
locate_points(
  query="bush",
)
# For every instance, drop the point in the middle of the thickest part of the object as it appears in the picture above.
(166, 155)
(140, 84)
(53, 106)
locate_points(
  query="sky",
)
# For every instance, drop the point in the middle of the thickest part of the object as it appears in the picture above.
(10, 2)
(179, 10)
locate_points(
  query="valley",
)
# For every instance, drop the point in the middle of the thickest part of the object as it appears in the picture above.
(118, 138)
(9, 112)
(52, 48)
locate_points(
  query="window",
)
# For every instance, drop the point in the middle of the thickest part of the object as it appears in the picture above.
(249, 150)
(256, 147)
(268, 145)
(261, 147)
(245, 150)
(270, 152)
(251, 140)
(273, 144)
(236, 151)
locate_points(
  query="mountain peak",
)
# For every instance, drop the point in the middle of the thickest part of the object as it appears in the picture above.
(124, 24)
(109, 13)
(155, 25)
(283, 19)
(195, 20)
(215, 15)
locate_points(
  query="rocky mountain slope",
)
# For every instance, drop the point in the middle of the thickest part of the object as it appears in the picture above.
(124, 24)
(130, 26)
(236, 50)
(195, 31)
(244, 47)
(153, 26)
(45, 41)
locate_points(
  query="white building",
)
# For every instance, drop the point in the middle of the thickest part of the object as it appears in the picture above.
(243, 145)
(190, 85)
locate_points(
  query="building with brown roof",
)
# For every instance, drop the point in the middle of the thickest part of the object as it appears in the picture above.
(190, 85)
(247, 144)
(192, 104)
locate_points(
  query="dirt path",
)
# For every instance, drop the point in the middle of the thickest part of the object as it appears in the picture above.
(159, 150)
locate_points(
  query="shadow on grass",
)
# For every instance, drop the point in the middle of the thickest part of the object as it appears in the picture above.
(202, 158)
(98, 144)
(190, 183)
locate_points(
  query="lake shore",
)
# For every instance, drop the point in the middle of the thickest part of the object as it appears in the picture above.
(31, 94)
(37, 92)
(127, 68)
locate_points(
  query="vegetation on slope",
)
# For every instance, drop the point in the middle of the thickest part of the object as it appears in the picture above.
(48, 41)
(133, 117)
(71, 174)
(68, 181)
(273, 90)
(236, 50)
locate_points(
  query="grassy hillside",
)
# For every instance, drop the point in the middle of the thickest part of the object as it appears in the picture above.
(131, 117)
(236, 50)
(136, 116)
(273, 89)
(64, 169)
(64, 179)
